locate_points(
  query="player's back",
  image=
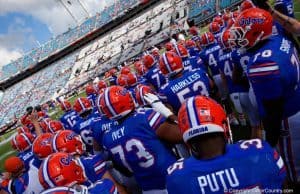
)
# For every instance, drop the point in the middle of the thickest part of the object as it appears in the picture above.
(69, 119)
(273, 70)
(100, 126)
(92, 98)
(84, 129)
(226, 67)
(210, 56)
(247, 166)
(133, 145)
(26, 156)
(155, 77)
(190, 84)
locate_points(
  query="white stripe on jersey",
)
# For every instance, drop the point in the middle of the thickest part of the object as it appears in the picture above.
(100, 166)
(280, 163)
(264, 69)
(154, 119)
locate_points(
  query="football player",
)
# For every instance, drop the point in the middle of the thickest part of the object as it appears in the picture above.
(22, 180)
(210, 55)
(62, 169)
(239, 93)
(91, 93)
(189, 63)
(153, 76)
(137, 143)
(273, 71)
(182, 84)
(102, 186)
(70, 116)
(23, 143)
(86, 111)
(215, 166)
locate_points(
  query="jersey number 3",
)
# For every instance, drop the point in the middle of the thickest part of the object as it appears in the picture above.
(146, 158)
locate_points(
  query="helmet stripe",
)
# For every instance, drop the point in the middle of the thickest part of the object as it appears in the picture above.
(46, 174)
(15, 142)
(81, 104)
(177, 50)
(54, 142)
(108, 103)
(166, 62)
(141, 95)
(206, 37)
(26, 139)
(191, 112)
(64, 105)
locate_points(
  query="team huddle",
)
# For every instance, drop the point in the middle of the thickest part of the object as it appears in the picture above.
(164, 126)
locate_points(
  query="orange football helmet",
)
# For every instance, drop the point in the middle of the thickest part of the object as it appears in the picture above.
(201, 115)
(22, 141)
(42, 145)
(82, 105)
(69, 142)
(60, 169)
(116, 102)
(170, 64)
(252, 26)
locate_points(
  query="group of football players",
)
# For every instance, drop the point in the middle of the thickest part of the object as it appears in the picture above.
(163, 125)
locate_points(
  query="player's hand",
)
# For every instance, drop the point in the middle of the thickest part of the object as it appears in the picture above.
(33, 117)
(157, 105)
(151, 98)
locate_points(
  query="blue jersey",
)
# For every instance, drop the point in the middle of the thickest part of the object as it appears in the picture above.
(26, 156)
(84, 128)
(226, 67)
(69, 119)
(286, 7)
(113, 80)
(191, 63)
(134, 145)
(194, 51)
(27, 183)
(274, 71)
(93, 167)
(250, 166)
(100, 126)
(210, 57)
(240, 58)
(93, 99)
(104, 186)
(190, 84)
(155, 77)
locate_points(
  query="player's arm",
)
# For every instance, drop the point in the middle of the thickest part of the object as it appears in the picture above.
(168, 130)
(33, 117)
(290, 24)
(121, 188)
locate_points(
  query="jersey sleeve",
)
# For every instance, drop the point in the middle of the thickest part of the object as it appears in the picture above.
(266, 80)
(276, 163)
(103, 186)
(154, 119)
(95, 167)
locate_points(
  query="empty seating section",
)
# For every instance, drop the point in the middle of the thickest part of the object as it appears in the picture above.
(67, 38)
